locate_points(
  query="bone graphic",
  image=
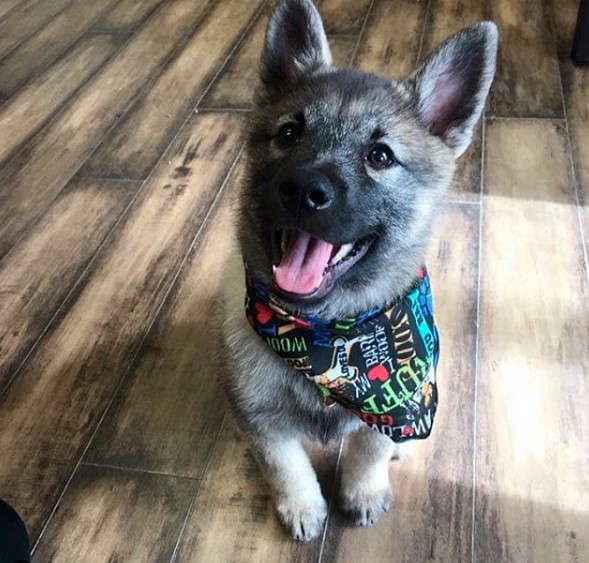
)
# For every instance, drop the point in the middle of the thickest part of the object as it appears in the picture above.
(340, 370)
(286, 328)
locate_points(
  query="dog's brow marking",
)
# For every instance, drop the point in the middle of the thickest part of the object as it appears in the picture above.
(377, 134)
(288, 118)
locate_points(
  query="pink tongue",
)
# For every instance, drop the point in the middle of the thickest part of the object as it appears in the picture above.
(301, 268)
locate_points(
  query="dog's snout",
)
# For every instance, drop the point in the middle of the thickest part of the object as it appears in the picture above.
(306, 190)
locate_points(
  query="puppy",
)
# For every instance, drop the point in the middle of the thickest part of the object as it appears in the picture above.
(345, 172)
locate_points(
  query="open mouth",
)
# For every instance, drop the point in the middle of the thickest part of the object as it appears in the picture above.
(307, 266)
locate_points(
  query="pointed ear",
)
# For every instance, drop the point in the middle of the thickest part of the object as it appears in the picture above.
(295, 46)
(453, 83)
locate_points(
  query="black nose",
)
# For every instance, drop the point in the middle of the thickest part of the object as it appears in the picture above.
(306, 190)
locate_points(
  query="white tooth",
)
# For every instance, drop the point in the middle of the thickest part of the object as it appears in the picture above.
(344, 250)
(274, 268)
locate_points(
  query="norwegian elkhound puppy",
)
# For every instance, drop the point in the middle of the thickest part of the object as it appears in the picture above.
(345, 173)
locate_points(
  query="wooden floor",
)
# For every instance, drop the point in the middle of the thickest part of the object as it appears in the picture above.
(121, 130)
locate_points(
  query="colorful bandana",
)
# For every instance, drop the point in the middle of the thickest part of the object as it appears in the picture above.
(380, 364)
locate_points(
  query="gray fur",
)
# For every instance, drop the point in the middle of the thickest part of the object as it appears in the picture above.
(276, 407)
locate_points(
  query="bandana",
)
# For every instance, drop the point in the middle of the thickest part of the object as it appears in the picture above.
(380, 364)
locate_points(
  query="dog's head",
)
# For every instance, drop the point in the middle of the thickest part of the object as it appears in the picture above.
(346, 169)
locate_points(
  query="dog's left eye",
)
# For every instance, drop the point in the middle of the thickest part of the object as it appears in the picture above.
(380, 156)
(289, 134)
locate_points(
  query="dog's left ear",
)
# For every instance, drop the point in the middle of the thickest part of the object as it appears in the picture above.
(451, 86)
(295, 46)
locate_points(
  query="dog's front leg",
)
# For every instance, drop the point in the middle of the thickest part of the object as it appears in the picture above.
(366, 493)
(300, 504)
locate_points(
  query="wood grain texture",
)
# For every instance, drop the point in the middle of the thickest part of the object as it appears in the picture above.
(575, 85)
(51, 409)
(127, 15)
(233, 517)
(135, 145)
(446, 17)
(32, 180)
(113, 515)
(432, 513)
(343, 16)
(25, 20)
(390, 42)
(6, 6)
(342, 50)
(564, 17)
(466, 184)
(33, 106)
(37, 274)
(235, 85)
(576, 94)
(526, 83)
(167, 415)
(48, 44)
(532, 437)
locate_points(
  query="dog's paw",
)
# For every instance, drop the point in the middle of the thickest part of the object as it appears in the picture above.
(366, 506)
(303, 518)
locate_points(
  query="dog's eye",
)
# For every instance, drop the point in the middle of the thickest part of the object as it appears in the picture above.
(289, 134)
(380, 156)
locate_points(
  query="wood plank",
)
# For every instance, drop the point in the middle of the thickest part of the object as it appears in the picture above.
(466, 185)
(576, 93)
(446, 17)
(526, 83)
(51, 409)
(133, 148)
(234, 491)
(432, 512)
(6, 6)
(234, 87)
(343, 16)
(113, 515)
(342, 50)
(47, 45)
(37, 274)
(564, 17)
(31, 108)
(390, 42)
(127, 15)
(32, 180)
(167, 415)
(25, 20)
(532, 497)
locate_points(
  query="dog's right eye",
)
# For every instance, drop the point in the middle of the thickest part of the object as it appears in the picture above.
(288, 134)
(380, 156)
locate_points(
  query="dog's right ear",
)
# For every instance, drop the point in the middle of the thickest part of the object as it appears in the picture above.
(295, 46)
(452, 84)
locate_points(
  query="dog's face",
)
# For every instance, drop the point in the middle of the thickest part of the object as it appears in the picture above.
(346, 169)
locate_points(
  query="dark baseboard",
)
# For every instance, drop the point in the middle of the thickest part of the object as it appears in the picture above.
(580, 53)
